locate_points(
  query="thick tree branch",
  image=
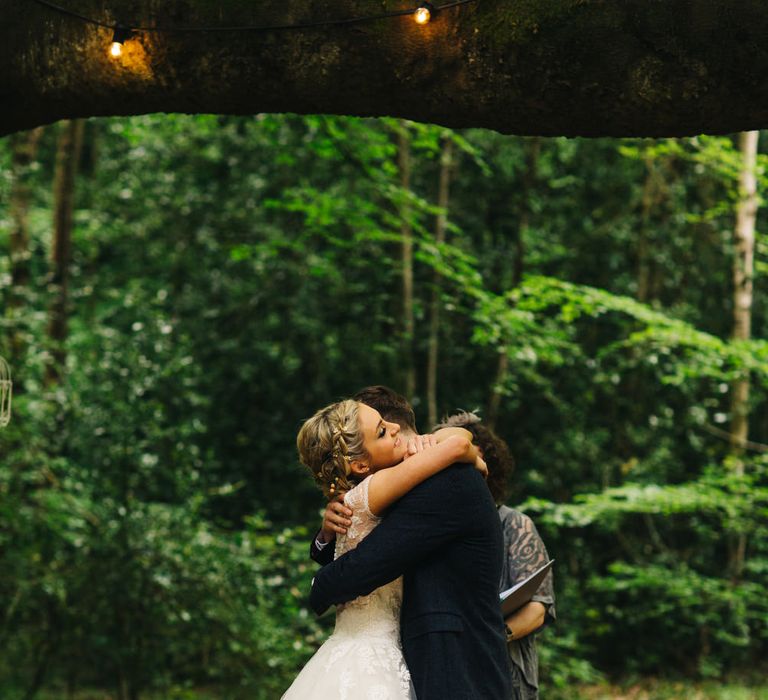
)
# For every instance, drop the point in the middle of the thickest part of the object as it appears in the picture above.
(548, 67)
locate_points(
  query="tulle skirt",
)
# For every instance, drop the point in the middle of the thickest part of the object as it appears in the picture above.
(354, 667)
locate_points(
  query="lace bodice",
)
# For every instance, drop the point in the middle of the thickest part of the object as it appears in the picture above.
(379, 612)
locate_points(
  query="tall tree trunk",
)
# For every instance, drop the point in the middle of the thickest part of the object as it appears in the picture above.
(532, 150)
(643, 245)
(23, 152)
(49, 643)
(67, 155)
(443, 195)
(743, 267)
(406, 232)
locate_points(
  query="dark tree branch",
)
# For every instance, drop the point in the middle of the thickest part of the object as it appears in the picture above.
(551, 67)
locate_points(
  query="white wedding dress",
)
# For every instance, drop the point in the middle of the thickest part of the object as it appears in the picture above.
(362, 659)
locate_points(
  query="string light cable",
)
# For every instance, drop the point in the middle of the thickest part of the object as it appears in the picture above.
(422, 13)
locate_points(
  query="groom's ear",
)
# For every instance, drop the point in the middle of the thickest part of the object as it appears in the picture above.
(359, 468)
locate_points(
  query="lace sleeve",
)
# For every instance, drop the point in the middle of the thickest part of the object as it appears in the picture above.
(362, 520)
(357, 500)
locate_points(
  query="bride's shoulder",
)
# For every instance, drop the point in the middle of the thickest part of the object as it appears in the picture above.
(357, 497)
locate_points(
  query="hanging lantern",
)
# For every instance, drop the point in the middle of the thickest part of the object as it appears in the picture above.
(6, 391)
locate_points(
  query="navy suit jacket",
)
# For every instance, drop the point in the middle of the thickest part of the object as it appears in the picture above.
(322, 556)
(445, 538)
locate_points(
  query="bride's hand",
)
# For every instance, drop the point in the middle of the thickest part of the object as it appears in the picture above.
(481, 466)
(420, 443)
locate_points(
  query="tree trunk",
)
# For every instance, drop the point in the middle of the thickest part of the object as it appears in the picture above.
(49, 642)
(41, 662)
(123, 688)
(23, 152)
(406, 232)
(743, 266)
(497, 390)
(571, 68)
(67, 155)
(532, 150)
(441, 220)
(647, 202)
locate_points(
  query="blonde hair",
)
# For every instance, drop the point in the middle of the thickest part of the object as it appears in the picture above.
(328, 442)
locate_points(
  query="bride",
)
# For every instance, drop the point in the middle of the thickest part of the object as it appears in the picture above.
(350, 449)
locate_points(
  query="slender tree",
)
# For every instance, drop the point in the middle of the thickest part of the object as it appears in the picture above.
(23, 152)
(406, 232)
(532, 150)
(441, 221)
(743, 273)
(647, 201)
(68, 150)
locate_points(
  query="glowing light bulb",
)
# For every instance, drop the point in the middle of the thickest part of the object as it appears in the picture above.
(120, 36)
(423, 13)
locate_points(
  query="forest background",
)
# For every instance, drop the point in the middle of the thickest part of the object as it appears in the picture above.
(178, 293)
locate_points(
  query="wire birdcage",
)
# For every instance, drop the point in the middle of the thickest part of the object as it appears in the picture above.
(6, 392)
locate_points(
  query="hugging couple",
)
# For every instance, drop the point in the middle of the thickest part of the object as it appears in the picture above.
(416, 574)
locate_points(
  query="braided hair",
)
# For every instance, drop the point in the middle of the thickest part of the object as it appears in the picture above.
(328, 442)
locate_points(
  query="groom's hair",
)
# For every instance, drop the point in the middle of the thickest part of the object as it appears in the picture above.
(392, 406)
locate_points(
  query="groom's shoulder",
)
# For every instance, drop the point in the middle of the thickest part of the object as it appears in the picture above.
(444, 494)
(457, 475)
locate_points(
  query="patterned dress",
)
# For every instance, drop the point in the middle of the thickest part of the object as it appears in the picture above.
(524, 553)
(362, 659)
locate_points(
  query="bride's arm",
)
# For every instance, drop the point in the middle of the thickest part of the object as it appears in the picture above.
(444, 433)
(422, 442)
(389, 485)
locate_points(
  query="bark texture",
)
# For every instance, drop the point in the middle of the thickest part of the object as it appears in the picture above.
(23, 151)
(68, 150)
(743, 272)
(441, 223)
(546, 67)
(406, 249)
(532, 151)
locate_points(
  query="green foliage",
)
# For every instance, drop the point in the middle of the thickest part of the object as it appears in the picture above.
(231, 275)
(147, 594)
(661, 573)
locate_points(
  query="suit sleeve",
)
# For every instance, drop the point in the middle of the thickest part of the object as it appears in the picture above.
(321, 556)
(426, 518)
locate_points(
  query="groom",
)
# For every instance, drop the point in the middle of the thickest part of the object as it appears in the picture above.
(445, 538)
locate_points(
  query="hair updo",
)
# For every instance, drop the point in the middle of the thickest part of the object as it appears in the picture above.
(328, 442)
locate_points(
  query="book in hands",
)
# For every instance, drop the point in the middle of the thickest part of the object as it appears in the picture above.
(514, 598)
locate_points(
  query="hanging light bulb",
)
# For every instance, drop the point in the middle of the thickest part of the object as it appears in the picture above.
(423, 13)
(120, 36)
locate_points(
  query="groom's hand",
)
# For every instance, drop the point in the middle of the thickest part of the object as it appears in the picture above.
(336, 519)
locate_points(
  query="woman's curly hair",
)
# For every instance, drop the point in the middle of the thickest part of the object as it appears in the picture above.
(495, 451)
